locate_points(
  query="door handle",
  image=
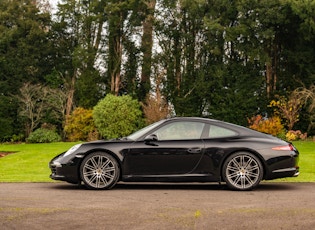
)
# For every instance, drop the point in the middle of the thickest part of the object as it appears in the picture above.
(194, 150)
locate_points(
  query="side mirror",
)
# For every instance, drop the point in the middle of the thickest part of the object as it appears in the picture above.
(151, 137)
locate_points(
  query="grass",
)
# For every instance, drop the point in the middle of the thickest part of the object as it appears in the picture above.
(29, 163)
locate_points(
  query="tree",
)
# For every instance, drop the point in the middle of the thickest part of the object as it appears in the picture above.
(220, 59)
(122, 55)
(288, 109)
(37, 101)
(156, 106)
(146, 47)
(77, 34)
(24, 52)
(117, 116)
(184, 56)
(301, 44)
(307, 96)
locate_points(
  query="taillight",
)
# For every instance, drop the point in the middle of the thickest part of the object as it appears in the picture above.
(284, 148)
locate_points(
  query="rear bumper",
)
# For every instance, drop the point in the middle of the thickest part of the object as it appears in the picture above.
(281, 173)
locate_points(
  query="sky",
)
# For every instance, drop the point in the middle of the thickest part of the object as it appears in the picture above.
(53, 3)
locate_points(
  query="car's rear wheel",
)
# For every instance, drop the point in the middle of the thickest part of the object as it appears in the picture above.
(99, 170)
(242, 171)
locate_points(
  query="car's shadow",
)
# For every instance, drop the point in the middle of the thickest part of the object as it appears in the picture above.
(265, 186)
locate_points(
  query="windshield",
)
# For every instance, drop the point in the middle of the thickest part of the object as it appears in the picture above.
(143, 131)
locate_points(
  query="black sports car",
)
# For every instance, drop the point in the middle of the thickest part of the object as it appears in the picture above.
(180, 150)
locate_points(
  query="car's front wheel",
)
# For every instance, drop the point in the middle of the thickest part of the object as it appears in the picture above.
(242, 171)
(99, 170)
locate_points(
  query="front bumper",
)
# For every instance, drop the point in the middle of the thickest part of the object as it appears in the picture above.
(68, 172)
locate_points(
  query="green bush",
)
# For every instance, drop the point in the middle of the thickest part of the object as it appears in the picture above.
(80, 126)
(43, 135)
(117, 116)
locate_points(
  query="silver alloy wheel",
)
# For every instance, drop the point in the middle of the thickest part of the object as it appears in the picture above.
(243, 171)
(99, 171)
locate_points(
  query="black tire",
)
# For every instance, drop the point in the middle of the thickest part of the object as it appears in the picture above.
(242, 171)
(99, 170)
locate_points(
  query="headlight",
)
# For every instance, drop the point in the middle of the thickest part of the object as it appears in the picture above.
(56, 164)
(72, 149)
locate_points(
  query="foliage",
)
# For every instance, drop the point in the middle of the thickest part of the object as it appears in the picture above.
(155, 110)
(270, 125)
(80, 126)
(220, 59)
(43, 135)
(17, 138)
(38, 102)
(117, 116)
(77, 36)
(295, 135)
(288, 109)
(307, 95)
(25, 50)
(156, 107)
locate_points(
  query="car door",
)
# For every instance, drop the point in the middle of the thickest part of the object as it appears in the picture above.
(174, 149)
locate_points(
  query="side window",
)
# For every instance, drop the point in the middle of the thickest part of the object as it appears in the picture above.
(216, 132)
(181, 130)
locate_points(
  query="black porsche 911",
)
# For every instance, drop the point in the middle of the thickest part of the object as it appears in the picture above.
(180, 150)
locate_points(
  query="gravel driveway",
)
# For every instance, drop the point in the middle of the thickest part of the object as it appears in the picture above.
(156, 206)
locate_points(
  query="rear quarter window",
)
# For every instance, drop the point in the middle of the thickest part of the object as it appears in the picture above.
(217, 132)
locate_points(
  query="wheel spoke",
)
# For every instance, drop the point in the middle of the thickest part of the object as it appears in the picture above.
(236, 164)
(253, 174)
(89, 173)
(248, 163)
(98, 182)
(89, 167)
(233, 168)
(237, 180)
(253, 168)
(105, 164)
(250, 181)
(233, 175)
(93, 178)
(94, 163)
(110, 176)
(108, 170)
(242, 161)
(105, 182)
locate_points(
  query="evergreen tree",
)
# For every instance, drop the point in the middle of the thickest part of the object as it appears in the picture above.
(24, 52)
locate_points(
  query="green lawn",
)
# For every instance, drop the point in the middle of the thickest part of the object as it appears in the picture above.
(29, 163)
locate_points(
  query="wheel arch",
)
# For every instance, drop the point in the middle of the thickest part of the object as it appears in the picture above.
(104, 151)
(255, 153)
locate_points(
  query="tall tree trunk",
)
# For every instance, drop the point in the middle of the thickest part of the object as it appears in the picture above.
(146, 45)
(70, 94)
(268, 79)
(272, 67)
(178, 73)
(115, 52)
